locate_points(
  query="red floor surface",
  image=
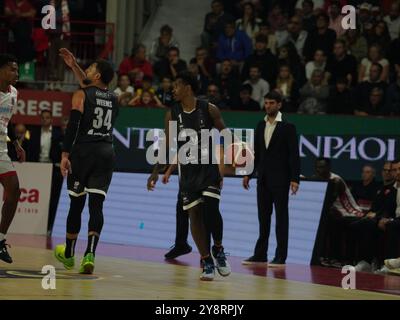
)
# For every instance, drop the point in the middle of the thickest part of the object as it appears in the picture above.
(301, 273)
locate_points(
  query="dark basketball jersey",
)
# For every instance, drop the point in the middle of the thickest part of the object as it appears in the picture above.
(99, 115)
(196, 177)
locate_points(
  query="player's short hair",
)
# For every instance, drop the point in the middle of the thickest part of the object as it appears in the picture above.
(106, 71)
(6, 58)
(309, 2)
(188, 79)
(246, 87)
(274, 95)
(324, 16)
(396, 161)
(46, 111)
(166, 29)
(326, 160)
(174, 49)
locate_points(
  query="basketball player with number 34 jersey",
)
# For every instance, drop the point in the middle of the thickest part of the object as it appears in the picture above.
(88, 156)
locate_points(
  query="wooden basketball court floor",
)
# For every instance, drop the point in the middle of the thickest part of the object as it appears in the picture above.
(124, 272)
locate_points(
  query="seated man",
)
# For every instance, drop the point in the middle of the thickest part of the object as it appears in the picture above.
(365, 191)
(343, 211)
(364, 233)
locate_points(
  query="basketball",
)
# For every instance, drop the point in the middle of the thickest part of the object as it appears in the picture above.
(239, 154)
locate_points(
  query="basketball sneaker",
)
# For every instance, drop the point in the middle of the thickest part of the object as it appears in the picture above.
(4, 255)
(87, 264)
(59, 253)
(208, 273)
(392, 263)
(221, 263)
(177, 251)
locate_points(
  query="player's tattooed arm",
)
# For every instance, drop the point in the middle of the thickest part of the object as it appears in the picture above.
(71, 62)
(217, 117)
(78, 101)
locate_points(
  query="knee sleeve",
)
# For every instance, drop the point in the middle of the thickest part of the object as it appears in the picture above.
(96, 220)
(74, 214)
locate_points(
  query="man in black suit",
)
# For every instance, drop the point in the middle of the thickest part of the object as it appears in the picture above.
(277, 166)
(45, 147)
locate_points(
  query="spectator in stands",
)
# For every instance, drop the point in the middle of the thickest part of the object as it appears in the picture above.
(278, 22)
(262, 57)
(317, 6)
(124, 101)
(341, 99)
(393, 20)
(319, 63)
(136, 66)
(287, 55)
(296, 35)
(214, 24)
(59, 38)
(170, 66)
(314, 95)
(287, 87)
(336, 17)
(343, 210)
(205, 62)
(356, 44)
(394, 56)
(23, 136)
(376, 105)
(45, 147)
(213, 96)
(365, 190)
(321, 38)
(307, 13)
(202, 81)
(374, 55)
(245, 102)
(124, 85)
(393, 97)
(365, 17)
(147, 85)
(164, 92)
(249, 23)
(363, 89)
(269, 34)
(380, 36)
(20, 13)
(160, 46)
(228, 83)
(146, 100)
(259, 85)
(341, 64)
(234, 45)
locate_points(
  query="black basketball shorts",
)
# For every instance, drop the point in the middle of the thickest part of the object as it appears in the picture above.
(192, 199)
(92, 169)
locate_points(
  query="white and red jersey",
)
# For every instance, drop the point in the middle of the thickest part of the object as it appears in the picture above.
(345, 202)
(8, 103)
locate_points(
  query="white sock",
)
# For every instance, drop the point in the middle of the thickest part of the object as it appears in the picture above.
(2, 236)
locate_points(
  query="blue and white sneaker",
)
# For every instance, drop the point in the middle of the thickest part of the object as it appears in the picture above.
(221, 263)
(208, 270)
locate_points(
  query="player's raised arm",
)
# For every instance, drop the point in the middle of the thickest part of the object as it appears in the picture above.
(71, 62)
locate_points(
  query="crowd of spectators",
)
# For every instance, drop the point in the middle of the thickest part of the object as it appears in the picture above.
(299, 48)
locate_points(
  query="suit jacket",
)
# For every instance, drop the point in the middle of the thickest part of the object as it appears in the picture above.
(385, 203)
(57, 138)
(280, 163)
